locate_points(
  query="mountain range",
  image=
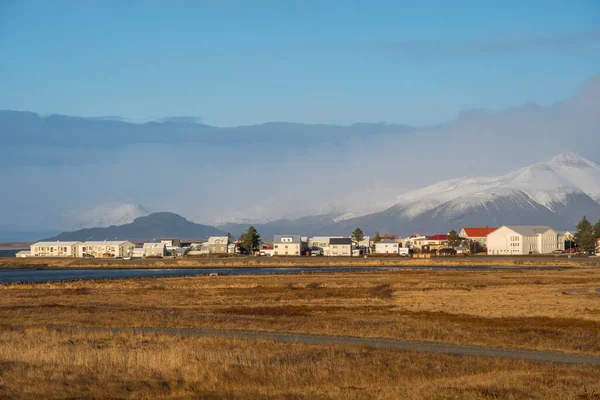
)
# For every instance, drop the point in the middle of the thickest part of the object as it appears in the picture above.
(557, 192)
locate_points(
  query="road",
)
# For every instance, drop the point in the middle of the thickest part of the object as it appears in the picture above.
(427, 347)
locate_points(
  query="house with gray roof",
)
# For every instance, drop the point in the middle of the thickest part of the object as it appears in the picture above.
(287, 245)
(524, 239)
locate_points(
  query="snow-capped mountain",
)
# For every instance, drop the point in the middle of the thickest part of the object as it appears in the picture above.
(102, 216)
(556, 192)
(547, 183)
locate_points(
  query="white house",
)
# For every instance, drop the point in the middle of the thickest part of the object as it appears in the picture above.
(218, 244)
(106, 249)
(524, 239)
(287, 245)
(23, 254)
(478, 235)
(387, 247)
(55, 249)
(154, 249)
(340, 247)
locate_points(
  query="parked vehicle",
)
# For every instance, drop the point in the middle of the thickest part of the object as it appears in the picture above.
(403, 251)
(557, 251)
(572, 250)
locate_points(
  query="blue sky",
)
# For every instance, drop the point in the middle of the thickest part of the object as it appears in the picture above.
(244, 62)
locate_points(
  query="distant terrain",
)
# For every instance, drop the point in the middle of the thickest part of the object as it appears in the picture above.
(151, 227)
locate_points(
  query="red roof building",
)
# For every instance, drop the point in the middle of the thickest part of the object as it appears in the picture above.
(476, 233)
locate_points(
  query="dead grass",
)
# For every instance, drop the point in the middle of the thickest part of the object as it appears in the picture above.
(525, 309)
(42, 363)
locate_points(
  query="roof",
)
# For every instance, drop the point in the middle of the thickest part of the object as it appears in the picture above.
(388, 241)
(441, 237)
(214, 239)
(479, 232)
(438, 237)
(340, 241)
(529, 230)
(105, 242)
(324, 238)
(295, 238)
(154, 245)
(57, 243)
(24, 252)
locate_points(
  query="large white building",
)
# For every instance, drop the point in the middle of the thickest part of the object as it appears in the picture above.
(55, 249)
(287, 245)
(106, 249)
(387, 247)
(524, 239)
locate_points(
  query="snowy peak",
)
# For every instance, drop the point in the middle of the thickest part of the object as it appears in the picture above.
(549, 184)
(103, 215)
(571, 160)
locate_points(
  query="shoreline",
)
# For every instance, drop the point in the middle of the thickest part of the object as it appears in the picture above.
(321, 262)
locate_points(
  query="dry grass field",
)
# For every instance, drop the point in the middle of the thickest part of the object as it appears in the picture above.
(250, 262)
(543, 310)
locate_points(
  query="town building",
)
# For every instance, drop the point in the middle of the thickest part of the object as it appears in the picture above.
(23, 254)
(155, 249)
(106, 249)
(387, 246)
(340, 247)
(218, 245)
(287, 245)
(524, 239)
(478, 235)
(171, 244)
(55, 249)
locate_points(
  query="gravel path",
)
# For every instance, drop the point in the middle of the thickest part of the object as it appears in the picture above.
(427, 347)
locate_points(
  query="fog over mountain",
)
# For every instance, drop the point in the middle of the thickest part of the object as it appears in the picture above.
(53, 165)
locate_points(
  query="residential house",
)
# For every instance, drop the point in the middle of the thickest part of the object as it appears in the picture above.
(340, 247)
(138, 252)
(23, 254)
(218, 244)
(55, 249)
(171, 244)
(287, 245)
(387, 246)
(155, 249)
(524, 239)
(106, 249)
(478, 235)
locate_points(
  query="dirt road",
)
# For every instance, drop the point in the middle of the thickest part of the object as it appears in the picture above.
(427, 347)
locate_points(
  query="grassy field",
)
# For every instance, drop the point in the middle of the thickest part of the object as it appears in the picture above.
(543, 310)
(241, 261)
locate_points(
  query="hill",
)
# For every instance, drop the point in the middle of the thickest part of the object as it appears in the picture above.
(153, 226)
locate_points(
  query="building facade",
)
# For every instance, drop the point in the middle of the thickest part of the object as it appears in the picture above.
(340, 247)
(218, 245)
(55, 249)
(387, 247)
(287, 245)
(106, 249)
(154, 250)
(524, 239)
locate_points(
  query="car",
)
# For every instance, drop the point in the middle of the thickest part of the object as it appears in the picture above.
(557, 251)
(572, 250)
(126, 258)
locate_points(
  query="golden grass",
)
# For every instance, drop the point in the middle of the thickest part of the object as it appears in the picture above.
(41, 363)
(525, 309)
(239, 261)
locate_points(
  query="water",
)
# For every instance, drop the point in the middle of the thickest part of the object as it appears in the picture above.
(53, 275)
(4, 252)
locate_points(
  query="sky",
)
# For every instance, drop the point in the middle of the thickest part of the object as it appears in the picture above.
(234, 63)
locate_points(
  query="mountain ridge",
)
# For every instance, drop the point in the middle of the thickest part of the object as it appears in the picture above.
(150, 227)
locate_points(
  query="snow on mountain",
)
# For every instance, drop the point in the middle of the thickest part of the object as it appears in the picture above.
(548, 184)
(102, 216)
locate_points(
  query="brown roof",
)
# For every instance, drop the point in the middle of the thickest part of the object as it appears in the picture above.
(479, 232)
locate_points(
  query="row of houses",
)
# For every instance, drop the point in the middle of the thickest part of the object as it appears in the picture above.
(506, 240)
(104, 249)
